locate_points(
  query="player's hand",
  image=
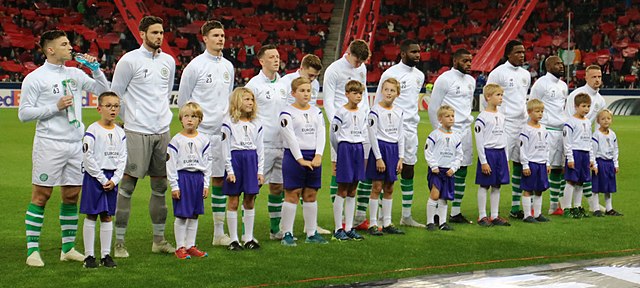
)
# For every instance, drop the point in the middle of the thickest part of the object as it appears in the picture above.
(260, 179)
(380, 167)
(450, 172)
(435, 170)
(399, 167)
(109, 186)
(89, 58)
(205, 193)
(175, 194)
(231, 178)
(317, 161)
(526, 172)
(548, 170)
(571, 165)
(486, 169)
(64, 102)
(595, 170)
(617, 170)
(305, 163)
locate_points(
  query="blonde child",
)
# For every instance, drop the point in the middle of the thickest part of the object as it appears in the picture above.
(493, 160)
(244, 164)
(303, 132)
(605, 149)
(188, 173)
(105, 155)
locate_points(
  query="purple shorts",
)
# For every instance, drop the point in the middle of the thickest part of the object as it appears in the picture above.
(605, 181)
(191, 186)
(497, 160)
(245, 167)
(538, 181)
(94, 199)
(389, 153)
(581, 172)
(444, 183)
(350, 163)
(296, 176)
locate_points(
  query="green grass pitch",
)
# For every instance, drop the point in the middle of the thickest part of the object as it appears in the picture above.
(419, 252)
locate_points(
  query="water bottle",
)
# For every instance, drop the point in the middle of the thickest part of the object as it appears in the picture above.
(71, 111)
(94, 66)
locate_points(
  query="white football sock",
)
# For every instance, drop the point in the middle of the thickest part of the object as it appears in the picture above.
(89, 236)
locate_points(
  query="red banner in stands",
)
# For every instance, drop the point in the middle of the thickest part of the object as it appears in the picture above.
(508, 28)
(363, 18)
(132, 11)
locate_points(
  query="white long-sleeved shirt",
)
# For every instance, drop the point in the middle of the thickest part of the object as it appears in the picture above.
(335, 78)
(188, 153)
(302, 130)
(242, 135)
(43, 88)
(489, 128)
(144, 83)
(411, 80)
(208, 81)
(553, 93)
(386, 125)
(597, 102)
(455, 89)
(104, 149)
(286, 80)
(271, 98)
(348, 126)
(443, 149)
(515, 81)
(605, 146)
(534, 145)
(577, 136)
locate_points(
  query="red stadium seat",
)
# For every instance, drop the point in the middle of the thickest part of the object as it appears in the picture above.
(580, 74)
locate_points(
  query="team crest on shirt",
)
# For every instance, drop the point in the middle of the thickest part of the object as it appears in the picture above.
(164, 72)
(361, 74)
(524, 81)
(306, 117)
(283, 94)
(418, 82)
(226, 76)
(73, 85)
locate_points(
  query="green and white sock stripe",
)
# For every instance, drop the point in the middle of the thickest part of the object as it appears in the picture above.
(587, 189)
(555, 180)
(459, 181)
(33, 220)
(516, 192)
(562, 185)
(275, 211)
(218, 201)
(363, 192)
(68, 225)
(406, 185)
(333, 188)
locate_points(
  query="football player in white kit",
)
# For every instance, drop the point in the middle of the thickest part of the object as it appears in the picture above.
(455, 88)
(52, 95)
(208, 81)
(310, 67)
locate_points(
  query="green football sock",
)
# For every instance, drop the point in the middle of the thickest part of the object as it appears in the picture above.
(68, 225)
(33, 220)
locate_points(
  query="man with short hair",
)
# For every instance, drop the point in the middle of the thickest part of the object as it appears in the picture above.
(144, 79)
(411, 80)
(52, 95)
(271, 98)
(593, 76)
(515, 81)
(349, 67)
(552, 91)
(208, 81)
(309, 68)
(455, 88)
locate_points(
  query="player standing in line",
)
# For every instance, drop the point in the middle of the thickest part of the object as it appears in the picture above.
(347, 135)
(271, 98)
(515, 81)
(303, 132)
(188, 172)
(144, 78)
(349, 67)
(443, 152)
(553, 93)
(52, 95)
(310, 67)
(593, 78)
(493, 159)
(244, 164)
(105, 155)
(579, 154)
(534, 156)
(605, 148)
(386, 135)
(455, 88)
(208, 81)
